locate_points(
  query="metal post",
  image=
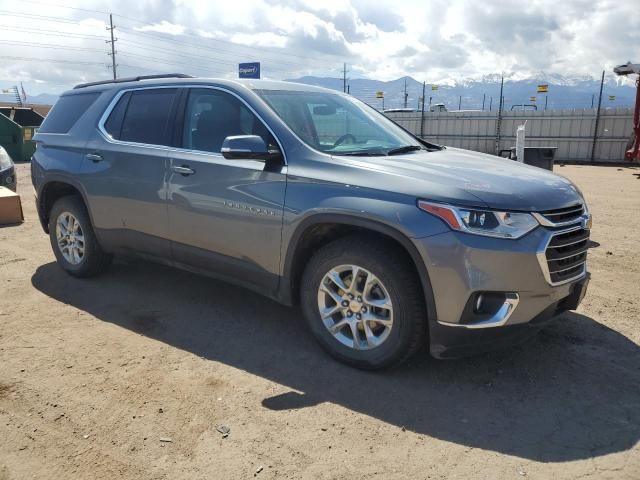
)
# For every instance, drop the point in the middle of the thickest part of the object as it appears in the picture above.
(344, 78)
(484, 97)
(405, 93)
(490, 102)
(424, 85)
(595, 130)
(545, 102)
(113, 46)
(593, 96)
(499, 119)
(460, 102)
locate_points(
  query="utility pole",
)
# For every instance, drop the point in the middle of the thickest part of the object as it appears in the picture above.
(113, 41)
(592, 99)
(546, 97)
(595, 130)
(460, 102)
(484, 97)
(424, 85)
(499, 120)
(405, 93)
(490, 102)
(344, 78)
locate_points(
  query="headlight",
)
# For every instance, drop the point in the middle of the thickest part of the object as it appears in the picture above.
(482, 222)
(5, 161)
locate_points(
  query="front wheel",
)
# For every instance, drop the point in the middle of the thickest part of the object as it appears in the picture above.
(363, 302)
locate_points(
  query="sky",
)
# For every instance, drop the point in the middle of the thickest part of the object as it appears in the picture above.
(51, 46)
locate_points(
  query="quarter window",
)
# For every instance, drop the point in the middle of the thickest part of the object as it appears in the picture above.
(143, 116)
(212, 116)
(66, 112)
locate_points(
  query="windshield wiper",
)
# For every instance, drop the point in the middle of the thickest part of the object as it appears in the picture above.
(378, 153)
(405, 149)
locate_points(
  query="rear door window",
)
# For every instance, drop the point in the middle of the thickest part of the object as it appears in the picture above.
(212, 115)
(147, 117)
(66, 112)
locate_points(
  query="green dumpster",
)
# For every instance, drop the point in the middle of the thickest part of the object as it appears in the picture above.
(18, 125)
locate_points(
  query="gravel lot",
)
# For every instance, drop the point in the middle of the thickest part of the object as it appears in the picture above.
(129, 375)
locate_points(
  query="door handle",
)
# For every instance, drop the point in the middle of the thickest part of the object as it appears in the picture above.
(183, 170)
(94, 157)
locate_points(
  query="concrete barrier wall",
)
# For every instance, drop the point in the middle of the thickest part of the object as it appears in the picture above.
(569, 130)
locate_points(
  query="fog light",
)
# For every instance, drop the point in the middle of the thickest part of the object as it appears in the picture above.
(9, 180)
(488, 303)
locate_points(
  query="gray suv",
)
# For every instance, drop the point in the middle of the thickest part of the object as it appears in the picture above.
(386, 242)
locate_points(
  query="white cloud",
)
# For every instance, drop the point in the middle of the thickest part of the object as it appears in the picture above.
(440, 40)
(163, 27)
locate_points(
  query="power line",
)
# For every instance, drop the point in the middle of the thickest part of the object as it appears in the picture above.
(46, 18)
(252, 49)
(166, 62)
(64, 6)
(54, 33)
(48, 45)
(207, 59)
(218, 52)
(48, 60)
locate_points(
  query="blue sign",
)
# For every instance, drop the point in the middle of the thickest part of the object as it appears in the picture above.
(249, 70)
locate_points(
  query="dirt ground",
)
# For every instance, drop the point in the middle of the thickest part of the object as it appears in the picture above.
(129, 375)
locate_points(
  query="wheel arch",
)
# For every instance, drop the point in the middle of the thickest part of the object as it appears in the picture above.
(331, 226)
(52, 191)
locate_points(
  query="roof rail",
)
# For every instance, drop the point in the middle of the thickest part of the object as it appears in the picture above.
(134, 79)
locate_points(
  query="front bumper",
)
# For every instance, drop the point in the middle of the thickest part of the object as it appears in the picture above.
(8, 178)
(461, 265)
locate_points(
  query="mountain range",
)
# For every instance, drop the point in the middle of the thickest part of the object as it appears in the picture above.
(564, 92)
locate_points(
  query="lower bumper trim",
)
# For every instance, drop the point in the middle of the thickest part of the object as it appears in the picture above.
(446, 342)
(498, 319)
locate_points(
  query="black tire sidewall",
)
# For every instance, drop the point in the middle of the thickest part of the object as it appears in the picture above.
(402, 291)
(75, 206)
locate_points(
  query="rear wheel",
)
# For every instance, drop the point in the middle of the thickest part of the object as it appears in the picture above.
(73, 240)
(363, 302)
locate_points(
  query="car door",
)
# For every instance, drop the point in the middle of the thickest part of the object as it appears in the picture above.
(225, 216)
(125, 171)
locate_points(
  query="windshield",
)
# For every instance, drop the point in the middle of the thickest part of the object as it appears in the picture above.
(338, 124)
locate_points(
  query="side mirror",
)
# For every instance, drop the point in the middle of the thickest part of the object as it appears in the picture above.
(247, 147)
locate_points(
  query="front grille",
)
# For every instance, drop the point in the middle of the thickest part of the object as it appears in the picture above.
(564, 215)
(566, 255)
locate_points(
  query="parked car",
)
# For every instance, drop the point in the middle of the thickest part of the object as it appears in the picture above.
(7, 171)
(309, 196)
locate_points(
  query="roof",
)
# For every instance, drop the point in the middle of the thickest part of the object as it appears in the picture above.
(179, 79)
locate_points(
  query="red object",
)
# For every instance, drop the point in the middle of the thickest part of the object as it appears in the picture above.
(633, 154)
(444, 213)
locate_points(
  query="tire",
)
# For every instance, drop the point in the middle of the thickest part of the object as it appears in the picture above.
(383, 262)
(93, 260)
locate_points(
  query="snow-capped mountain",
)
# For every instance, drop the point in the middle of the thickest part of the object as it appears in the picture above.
(565, 92)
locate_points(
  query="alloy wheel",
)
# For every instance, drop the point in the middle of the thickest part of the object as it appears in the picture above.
(355, 307)
(70, 238)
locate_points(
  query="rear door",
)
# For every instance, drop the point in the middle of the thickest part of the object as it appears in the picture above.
(225, 216)
(125, 171)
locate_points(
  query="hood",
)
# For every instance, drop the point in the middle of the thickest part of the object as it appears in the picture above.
(475, 179)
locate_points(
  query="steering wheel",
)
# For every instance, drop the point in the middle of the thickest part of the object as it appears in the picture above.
(343, 138)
